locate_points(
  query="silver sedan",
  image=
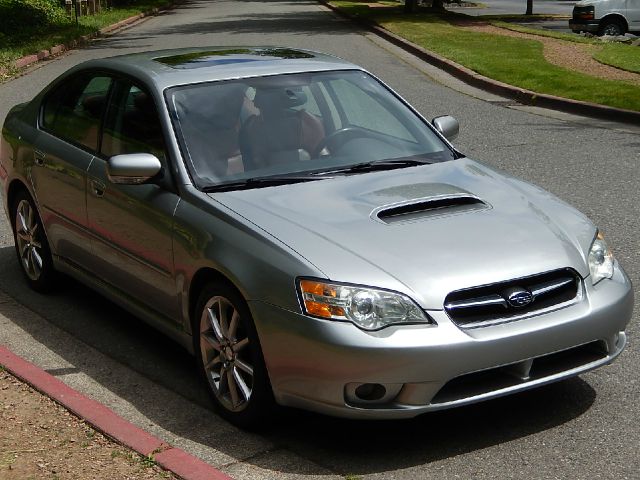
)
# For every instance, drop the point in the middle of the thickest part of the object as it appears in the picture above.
(303, 231)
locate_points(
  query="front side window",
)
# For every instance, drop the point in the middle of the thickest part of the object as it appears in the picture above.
(133, 124)
(74, 110)
(293, 124)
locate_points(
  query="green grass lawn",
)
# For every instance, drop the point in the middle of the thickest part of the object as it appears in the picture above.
(626, 57)
(515, 61)
(619, 55)
(30, 40)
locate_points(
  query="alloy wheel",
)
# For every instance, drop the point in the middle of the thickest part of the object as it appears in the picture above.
(28, 240)
(225, 354)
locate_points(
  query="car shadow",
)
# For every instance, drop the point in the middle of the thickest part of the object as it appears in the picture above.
(342, 446)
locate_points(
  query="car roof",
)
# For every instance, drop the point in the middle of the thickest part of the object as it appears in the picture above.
(166, 68)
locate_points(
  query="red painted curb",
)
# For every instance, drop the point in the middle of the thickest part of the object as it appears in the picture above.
(178, 461)
(57, 49)
(520, 95)
(24, 61)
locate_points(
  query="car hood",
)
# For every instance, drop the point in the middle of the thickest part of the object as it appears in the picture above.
(453, 225)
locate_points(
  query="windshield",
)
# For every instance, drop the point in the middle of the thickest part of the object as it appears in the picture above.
(296, 124)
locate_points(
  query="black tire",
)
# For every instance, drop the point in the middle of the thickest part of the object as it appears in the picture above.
(612, 27)
(32, 245)
(231, 362)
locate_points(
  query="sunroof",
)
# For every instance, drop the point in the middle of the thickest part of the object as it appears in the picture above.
(230, 56)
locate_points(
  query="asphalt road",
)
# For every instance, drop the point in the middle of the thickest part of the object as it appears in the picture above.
(581, 428)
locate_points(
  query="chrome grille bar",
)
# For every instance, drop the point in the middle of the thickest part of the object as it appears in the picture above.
(485, 301)
(547, 287)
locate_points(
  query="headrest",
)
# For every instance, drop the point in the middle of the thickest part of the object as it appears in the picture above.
(93, 105)
(273, 99)
(217, 108)
(144, 103)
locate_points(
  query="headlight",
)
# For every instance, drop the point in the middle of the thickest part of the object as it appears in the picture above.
(367, 308)
(600, 260)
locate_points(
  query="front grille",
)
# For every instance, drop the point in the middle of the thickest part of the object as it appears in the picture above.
(499, 302)
(495, 379)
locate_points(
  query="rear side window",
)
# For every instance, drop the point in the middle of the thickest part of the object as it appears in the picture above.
(74, 110)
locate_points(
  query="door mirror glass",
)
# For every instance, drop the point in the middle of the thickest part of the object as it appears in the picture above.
(133, 168)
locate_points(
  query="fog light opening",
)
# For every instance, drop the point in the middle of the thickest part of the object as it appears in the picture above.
(370, 392)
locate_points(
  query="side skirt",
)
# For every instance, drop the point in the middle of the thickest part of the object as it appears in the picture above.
(157, 321)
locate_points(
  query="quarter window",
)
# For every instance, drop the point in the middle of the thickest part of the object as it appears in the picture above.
(74, 110)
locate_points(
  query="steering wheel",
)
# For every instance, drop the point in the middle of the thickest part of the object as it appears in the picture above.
(336, 139)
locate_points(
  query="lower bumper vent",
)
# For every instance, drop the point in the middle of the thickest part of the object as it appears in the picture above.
(486, 381)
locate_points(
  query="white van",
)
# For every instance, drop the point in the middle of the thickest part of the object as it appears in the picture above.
(606, 17)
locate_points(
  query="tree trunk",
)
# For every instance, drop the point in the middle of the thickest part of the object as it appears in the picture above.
(529, 7)
(410, 6)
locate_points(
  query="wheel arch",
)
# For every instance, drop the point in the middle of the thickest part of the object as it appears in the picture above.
(615, 17)
(16, 186)
(202, 277)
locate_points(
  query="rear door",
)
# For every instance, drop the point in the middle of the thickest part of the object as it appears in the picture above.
(64, 148)
(132, 224)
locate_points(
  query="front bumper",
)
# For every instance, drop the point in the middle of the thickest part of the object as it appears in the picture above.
(577, 25)
(317, 364)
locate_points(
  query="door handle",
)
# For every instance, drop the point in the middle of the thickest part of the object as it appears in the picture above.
(98, 188)
(38, 157)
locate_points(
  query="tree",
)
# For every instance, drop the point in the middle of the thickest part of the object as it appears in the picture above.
(410, 5)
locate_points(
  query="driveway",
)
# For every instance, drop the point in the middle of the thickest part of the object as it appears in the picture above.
(582, 428)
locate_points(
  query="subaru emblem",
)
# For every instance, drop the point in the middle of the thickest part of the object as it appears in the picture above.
(518, 297)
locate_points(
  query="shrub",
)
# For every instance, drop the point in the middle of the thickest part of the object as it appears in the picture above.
(16, 15)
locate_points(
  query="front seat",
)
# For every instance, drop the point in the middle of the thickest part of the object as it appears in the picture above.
(279, 133)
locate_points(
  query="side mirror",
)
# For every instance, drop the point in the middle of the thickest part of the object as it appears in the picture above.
(447, 126)
(133, 168)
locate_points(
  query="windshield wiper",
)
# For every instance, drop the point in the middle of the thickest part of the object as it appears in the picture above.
(259, 182)
(376, 165)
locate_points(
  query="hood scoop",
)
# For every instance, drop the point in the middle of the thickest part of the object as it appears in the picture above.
(419, 209)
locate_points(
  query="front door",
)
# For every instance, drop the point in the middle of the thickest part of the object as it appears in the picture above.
(132, 224)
